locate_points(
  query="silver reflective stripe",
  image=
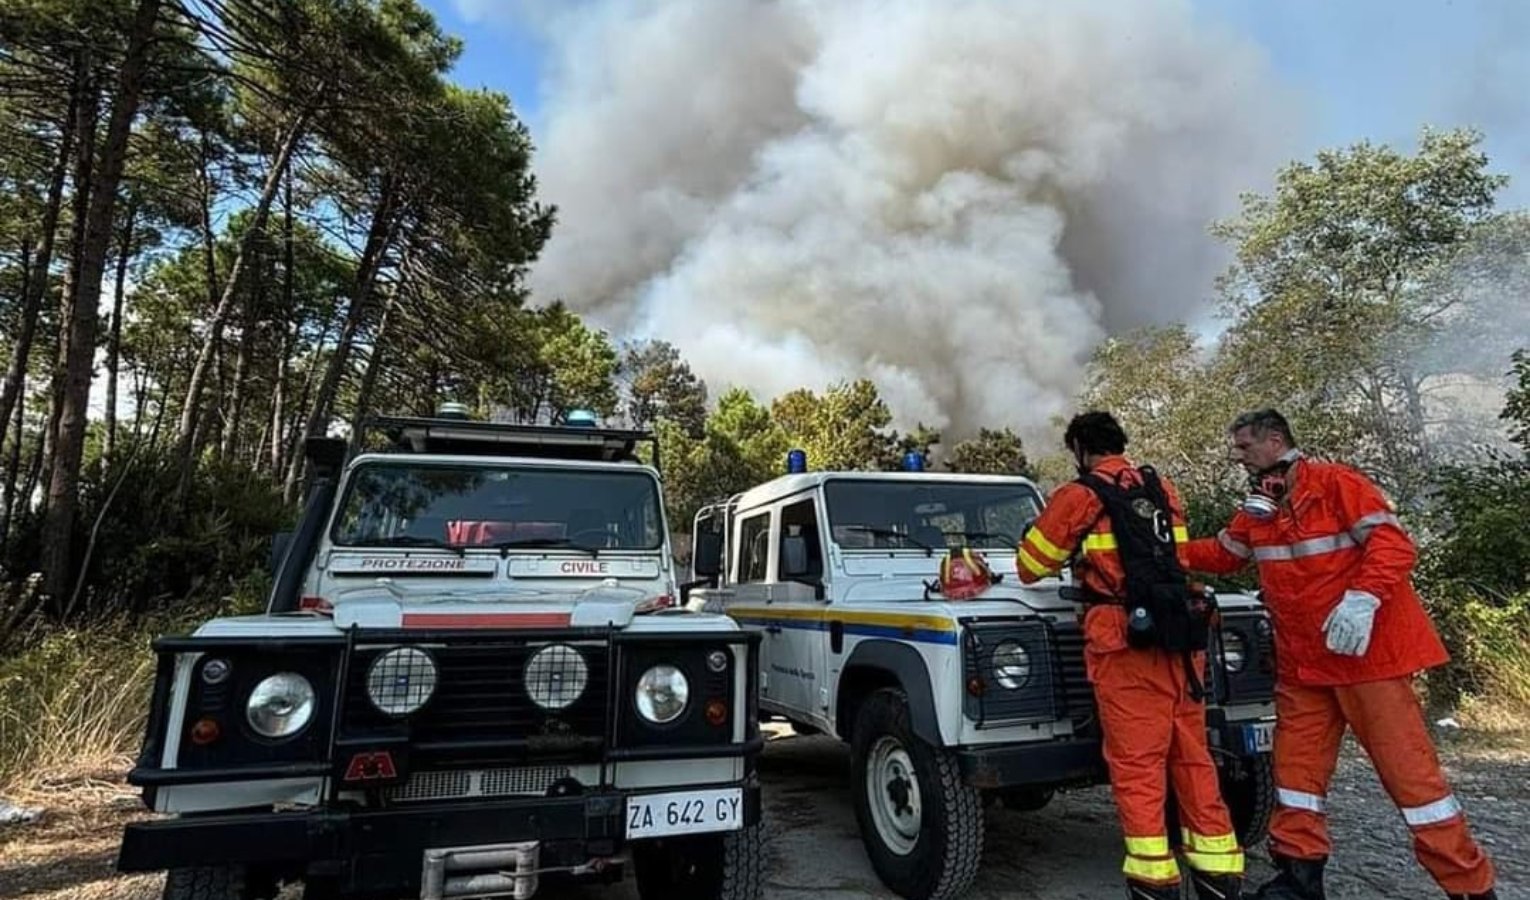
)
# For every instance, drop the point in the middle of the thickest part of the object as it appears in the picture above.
(1236, 548)
(1432, 813)
(1310, 547)
(1365, 524)
(1299, 800)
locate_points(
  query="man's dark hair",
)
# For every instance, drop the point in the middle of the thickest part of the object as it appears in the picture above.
(1095, 432)
(1263, 421)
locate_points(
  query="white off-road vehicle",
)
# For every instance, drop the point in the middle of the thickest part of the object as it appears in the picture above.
(472, 678)
(947, 705)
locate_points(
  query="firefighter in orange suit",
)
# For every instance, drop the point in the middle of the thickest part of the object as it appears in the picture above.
(1154, 725)
(1334, 566)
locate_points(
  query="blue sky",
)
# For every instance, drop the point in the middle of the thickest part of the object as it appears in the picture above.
(1376, 69)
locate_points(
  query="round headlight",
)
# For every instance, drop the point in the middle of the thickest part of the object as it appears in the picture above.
(1011, 665)
(401, 680)
(556, 676)
(1234, 651)
(281, 705)
(662, 694)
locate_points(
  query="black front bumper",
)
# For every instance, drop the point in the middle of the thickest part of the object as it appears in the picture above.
(1041, 764)
(381, 851)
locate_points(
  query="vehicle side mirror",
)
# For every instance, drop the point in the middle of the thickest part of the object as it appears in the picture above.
(279, 543)
(794, 557)
(706, 554)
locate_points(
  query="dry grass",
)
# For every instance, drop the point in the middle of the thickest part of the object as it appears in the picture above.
(73, 700)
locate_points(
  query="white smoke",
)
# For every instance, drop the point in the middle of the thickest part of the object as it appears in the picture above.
(955, 198)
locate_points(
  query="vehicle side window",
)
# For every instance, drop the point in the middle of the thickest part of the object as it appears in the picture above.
(800, 520)
(754, 548)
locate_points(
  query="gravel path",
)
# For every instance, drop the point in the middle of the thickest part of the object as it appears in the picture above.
(1068, 851)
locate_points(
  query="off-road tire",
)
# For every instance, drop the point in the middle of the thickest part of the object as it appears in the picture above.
(1250, 799)
(946, 854)
(217, 883)
(729, 866)
(1249, 794)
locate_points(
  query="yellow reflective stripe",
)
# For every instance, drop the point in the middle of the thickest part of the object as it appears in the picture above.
(1096, 542)
(1047, 548)
(1181, 534)
(1222, 843)
(1215, 863)
(1163, 871)
(1148, 846)
(1031, 565)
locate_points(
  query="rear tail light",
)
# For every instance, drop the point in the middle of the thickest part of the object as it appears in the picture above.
(653, 604)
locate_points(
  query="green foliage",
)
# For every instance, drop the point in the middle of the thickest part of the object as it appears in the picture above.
(845, 428)
(659, 384)
(992, 452)
(1516, 410)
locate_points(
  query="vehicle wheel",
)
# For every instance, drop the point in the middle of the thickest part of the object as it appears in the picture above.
(727, 866)
(1249, 792)
(217, 883)
(1027, 799)
(922, 827)
(1248, 789)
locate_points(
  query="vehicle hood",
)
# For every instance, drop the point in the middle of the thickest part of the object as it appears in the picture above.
(1005, 598)
(389, 604)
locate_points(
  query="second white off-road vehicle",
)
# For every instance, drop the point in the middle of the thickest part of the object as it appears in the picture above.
(472, 678)
(946, 704)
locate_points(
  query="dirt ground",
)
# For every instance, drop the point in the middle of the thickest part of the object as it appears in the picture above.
(1069, 850)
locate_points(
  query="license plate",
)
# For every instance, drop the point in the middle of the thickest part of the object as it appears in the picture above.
(685, 812)
(1259, 737)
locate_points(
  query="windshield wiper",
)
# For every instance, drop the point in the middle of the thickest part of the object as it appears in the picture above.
(523, 543)
(888, 532)
(415, 540)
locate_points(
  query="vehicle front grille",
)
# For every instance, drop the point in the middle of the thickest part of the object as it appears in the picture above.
(1256, 683)
(481, 710)
(456, 784)
(1077, 694)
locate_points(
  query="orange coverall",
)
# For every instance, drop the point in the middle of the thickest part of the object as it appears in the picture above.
(1153, 730)
(1336, 532)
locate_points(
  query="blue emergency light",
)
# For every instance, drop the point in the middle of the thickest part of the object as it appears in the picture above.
(913, 461)
(581, 418)
(796, 462)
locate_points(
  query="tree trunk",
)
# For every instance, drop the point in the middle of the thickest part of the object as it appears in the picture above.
(379, 236)
(87, 116)
(296, 432)
(247, 331)
(12, 476)
(191, 405)
(374, 361)
(114, 341)
(86, 292)
(35, 288)
(289, 335)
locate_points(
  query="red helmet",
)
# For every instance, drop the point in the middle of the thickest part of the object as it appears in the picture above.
(964, 574)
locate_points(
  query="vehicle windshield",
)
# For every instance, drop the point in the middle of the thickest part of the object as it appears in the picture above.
(868, 515)
(413, 505)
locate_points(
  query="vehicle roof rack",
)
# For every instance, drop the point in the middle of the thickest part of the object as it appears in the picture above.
(413, 434)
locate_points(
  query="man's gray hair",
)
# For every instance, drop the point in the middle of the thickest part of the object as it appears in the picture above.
(1263, 421)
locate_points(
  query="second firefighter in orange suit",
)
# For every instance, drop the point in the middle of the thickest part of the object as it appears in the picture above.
(1154, 730)
(1334, 565)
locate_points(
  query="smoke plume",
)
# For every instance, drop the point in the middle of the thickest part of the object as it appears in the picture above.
(955, 198)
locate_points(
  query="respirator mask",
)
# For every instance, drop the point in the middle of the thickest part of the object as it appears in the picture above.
(1268, 486)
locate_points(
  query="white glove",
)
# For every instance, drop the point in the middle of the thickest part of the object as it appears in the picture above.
(1349, 625)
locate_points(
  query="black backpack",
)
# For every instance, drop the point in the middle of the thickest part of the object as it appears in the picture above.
(1158, 602)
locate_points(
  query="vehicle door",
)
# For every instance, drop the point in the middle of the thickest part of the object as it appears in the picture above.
(750, 602)
(798, 600)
